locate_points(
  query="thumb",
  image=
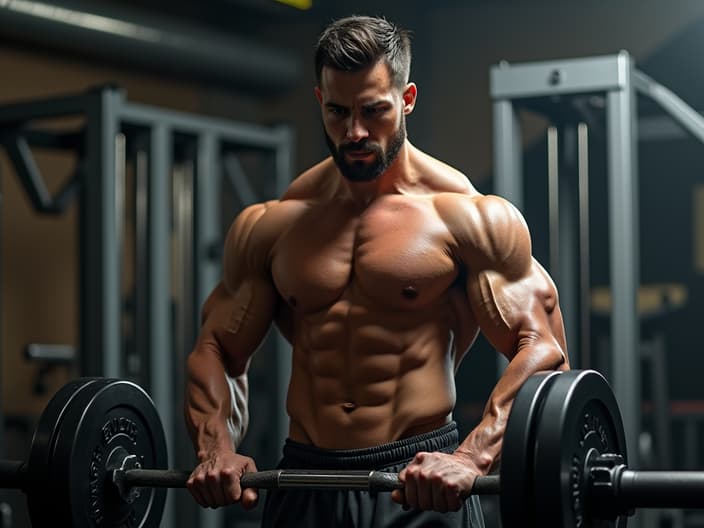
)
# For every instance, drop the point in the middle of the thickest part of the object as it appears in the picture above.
(250, 497)
(398, 496)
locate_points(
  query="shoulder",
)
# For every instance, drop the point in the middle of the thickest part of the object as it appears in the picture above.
(246, 241)
(318, 181)
(253, 233)
(487, 231)
(438, 176)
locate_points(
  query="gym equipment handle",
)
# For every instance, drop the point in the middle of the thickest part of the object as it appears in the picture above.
(295, 479)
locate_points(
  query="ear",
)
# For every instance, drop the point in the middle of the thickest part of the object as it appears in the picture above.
(410, 93)
(318, 95)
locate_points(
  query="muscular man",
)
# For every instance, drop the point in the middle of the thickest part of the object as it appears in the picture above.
(379, 265)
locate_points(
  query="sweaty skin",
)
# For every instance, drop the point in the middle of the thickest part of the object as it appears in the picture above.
(381, 287)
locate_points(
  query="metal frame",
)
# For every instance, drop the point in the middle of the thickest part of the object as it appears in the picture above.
(616, 78)
(610, 75)
(108, 118)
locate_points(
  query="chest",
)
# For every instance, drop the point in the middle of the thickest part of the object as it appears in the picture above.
(395, 253)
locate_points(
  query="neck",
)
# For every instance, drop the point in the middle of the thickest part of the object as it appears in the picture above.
(392, 181)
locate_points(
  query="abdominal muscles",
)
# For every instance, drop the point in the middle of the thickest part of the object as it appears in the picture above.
(362, 377)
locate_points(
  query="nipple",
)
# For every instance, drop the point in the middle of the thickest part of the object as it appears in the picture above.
(410, 293)
(348, 407)
(292, 301)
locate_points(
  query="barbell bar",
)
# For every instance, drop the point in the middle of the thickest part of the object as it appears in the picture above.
(374, 481)
(98, 457)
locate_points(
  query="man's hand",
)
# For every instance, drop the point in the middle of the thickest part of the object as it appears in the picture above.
(436, 481)
(216, 480)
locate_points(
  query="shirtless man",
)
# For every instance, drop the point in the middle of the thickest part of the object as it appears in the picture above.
(379, 265)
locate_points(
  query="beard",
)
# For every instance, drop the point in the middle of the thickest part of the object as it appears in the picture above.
(360, 170)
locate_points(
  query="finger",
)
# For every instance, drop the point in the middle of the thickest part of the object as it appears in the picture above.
(411, 487)
(418, 488)
(216, 489)
(250, 497)
(454, 502)
(421, 457)
(207, 499)
(402, 475)
(194, 488)
(398, 496)
(425, 492)
(456, 497)
(440, 497)
(232, 490)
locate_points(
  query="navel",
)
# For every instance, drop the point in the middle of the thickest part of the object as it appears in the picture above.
(348, 407)
(409, 292)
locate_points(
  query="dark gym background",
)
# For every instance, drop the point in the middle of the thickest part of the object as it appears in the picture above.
(455, 44)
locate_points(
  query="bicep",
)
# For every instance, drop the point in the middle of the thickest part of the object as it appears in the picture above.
(514, 312)
(513, 298)
(235, 322)
(239, 312)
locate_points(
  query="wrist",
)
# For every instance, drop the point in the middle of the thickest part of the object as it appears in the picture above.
(214, 448)
(479, 462)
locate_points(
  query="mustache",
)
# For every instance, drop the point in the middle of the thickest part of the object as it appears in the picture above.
(360, 146)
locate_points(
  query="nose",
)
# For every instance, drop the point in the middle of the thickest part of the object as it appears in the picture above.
(356, 131)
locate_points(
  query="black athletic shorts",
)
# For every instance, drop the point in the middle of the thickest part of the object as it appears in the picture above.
(330, 508)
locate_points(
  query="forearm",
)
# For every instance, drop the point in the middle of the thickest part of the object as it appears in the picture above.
(216, 409)
(483, 444)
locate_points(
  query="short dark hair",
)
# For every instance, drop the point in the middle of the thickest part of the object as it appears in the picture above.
(356, 42)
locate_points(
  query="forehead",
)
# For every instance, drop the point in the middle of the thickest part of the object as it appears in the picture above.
(369, 83)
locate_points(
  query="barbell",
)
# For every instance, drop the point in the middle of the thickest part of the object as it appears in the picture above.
(98, 458)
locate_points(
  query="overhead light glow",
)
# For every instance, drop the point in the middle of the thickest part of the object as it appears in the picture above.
(83, 20)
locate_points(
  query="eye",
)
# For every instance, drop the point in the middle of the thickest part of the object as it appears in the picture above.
(375, 111)
(337, 111)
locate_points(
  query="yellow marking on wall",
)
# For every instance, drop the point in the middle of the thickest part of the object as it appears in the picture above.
(299, 4)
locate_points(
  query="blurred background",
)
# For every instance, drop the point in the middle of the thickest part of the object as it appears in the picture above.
(133, 131)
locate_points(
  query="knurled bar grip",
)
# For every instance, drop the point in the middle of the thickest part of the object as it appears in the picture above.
(297, 479)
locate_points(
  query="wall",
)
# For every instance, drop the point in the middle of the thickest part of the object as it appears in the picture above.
(455, 44)
(39, 253)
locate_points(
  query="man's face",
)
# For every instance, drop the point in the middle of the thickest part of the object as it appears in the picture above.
(364, 119)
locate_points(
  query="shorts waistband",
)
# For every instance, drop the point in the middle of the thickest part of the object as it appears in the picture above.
(382, 455)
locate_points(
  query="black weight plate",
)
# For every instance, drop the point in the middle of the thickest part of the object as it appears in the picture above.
(516, 500)
(580, 413)
(40, 499)
(108, 415)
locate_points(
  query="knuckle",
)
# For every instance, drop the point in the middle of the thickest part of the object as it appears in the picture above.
(228, 473)
(452, 488)
(435, 476)
(412, 472)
